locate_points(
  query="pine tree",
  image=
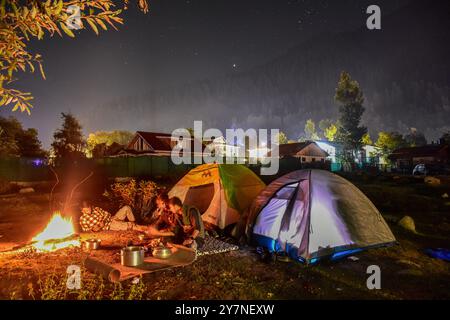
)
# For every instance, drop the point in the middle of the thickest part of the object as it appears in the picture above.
(351, 99)
(68, 141)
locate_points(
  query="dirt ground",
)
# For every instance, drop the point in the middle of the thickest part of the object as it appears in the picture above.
(406, 271)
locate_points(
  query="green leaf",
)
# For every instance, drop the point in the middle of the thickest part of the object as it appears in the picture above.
(31, 66)
(59, 7)
(66, 30)
(16, 106)
(33, 12)
(92, 24)
(42, 71)
(25, 12)
(101, 24)
(40, 32)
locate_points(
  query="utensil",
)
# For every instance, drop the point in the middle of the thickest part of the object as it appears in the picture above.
(141, 237)
(92, 244)
(132, 256)
(162, 252)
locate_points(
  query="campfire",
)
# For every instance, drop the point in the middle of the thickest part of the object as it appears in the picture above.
(59, 233)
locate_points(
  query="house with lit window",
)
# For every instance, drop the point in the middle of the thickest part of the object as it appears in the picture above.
(433, 154)
(368, 154)
(220, 145)
(152, 143)
(305, 152)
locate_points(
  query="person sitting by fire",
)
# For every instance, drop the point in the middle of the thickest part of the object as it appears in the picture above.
(94, 219)
(186, 225)
(158, 214)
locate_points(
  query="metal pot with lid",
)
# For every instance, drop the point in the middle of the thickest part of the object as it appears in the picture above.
(132, 256)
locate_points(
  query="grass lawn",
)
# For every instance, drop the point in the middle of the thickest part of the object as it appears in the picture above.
(406, 272)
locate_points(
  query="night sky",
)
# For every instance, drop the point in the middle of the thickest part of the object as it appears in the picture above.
(176, 43)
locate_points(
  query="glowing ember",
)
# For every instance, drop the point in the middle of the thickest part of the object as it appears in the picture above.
(56, 235)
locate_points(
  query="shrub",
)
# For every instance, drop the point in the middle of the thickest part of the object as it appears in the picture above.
(137, 196)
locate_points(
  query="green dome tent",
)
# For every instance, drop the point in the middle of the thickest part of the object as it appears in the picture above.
(221, 192)
(311, 214)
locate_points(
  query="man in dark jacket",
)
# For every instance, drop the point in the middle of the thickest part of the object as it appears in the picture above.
(188, 226)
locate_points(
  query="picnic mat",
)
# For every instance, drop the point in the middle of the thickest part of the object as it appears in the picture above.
(214, 245)
(115, 272)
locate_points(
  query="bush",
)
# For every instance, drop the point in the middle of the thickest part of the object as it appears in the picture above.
(137, 196)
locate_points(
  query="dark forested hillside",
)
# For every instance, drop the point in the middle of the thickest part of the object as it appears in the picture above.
(406, 82)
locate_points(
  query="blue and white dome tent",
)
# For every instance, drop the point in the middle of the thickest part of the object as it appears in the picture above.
(313, 214)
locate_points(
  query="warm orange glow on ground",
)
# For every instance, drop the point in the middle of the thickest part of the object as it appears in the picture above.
(58, 228)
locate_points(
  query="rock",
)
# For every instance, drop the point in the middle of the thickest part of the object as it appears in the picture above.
(353, 258)
(432, 181)
(445, 196)
(407, 223)
(26, 190)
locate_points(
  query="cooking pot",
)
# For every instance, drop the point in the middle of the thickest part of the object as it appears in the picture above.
(92, 244)
(162, 252)
(132, 256)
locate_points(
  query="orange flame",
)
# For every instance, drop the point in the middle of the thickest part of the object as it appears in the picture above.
(58, 228)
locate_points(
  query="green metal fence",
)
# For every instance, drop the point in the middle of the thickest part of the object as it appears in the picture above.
(30, 169)
(24, 169)
(27, 169)
(149, 166)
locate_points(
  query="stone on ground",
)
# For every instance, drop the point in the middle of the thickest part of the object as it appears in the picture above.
(432, 181)
(407, 223)
(26, 190)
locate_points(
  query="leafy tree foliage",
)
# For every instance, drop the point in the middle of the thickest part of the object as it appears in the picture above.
(330, 133)
(366, 140)
(8, 130)
(388, 142)
(29, 144)
(282, 138)
(415, 138)
(68, 140)
(445, 138)
(310, 130)
(24, 20)
(16, 141)
(107, 138)
(329, 129)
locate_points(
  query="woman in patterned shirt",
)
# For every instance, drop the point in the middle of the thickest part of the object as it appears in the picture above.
(94, 219)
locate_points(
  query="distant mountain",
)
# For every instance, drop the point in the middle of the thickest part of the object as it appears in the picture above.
(403, 69)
